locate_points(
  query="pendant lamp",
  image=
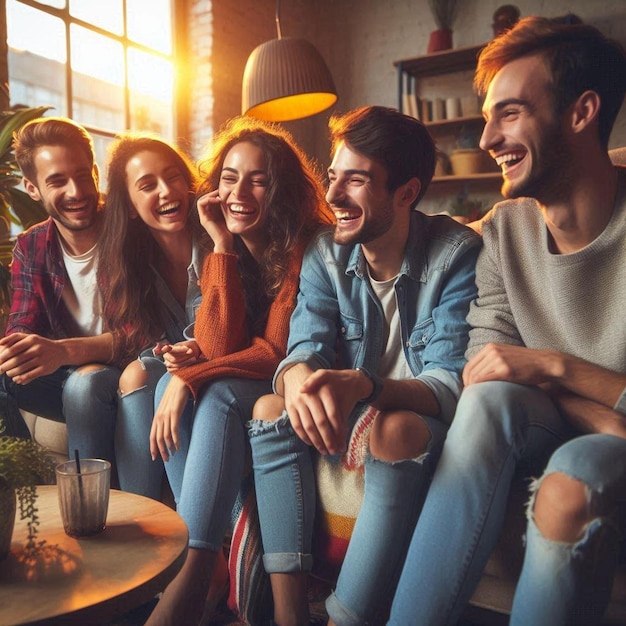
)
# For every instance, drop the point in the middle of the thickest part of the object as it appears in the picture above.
(286, 79)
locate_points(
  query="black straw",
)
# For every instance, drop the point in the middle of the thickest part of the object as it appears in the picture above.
(81, 496)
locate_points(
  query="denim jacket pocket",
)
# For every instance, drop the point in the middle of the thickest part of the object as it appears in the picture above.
(350, 338)
(420, 336)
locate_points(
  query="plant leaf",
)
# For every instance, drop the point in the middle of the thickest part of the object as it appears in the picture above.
(11, 121)
(27, 210)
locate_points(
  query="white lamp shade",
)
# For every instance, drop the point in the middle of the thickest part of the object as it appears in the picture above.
(286, 79)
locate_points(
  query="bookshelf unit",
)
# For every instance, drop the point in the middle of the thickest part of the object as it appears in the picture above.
(412, 71)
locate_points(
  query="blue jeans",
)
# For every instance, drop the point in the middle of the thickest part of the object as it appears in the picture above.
(498, 428)
(206, 472)
(137, 472)
(394, 493)
(85, 401)
(565, 583)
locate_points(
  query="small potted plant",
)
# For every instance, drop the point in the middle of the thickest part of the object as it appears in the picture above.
(468, 158)
(23, 465)
(444, 12)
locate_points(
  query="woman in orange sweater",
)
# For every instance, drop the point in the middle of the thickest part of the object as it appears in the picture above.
(261, 202)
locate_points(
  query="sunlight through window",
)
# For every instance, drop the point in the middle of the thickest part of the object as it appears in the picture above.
(120, 71)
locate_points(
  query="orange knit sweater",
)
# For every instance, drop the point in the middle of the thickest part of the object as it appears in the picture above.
(221, 328)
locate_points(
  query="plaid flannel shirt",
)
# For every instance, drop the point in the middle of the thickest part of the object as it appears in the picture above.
(38, 277)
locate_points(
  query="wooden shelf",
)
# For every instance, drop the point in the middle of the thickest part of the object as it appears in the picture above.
(445, 62)
(455, 123)
(487, 177)
(410, 73)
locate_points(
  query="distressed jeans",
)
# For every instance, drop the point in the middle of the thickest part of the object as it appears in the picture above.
(85, 400)
(394, 493)
(137, 472)
(499, 427)
(567, 584)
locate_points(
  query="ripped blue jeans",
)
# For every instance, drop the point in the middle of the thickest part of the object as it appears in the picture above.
(564, 583)
(137, 472)
(499, 429)
(286, 496)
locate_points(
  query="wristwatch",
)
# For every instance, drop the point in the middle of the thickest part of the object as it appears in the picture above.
(377, 383)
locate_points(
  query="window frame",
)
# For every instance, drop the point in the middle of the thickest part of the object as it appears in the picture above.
(174, 57)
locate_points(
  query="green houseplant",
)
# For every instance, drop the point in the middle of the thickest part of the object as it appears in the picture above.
(23, 465)
(16, 206)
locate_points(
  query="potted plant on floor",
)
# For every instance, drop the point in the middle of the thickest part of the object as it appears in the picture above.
(23, 465)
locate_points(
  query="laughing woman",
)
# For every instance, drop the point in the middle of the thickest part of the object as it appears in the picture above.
(261, 204)
(151, 251)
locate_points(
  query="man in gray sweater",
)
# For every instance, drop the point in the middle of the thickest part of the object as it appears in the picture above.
(545, 382)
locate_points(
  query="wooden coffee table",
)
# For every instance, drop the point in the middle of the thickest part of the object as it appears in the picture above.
(93, 579)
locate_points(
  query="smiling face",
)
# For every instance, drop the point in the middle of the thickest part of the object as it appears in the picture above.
(359, 198)
(522, 132)
(242, 189)
(158, 191)
(67, 187)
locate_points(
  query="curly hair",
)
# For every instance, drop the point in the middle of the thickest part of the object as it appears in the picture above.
(127, 249)
(579, 58)
(294, 196)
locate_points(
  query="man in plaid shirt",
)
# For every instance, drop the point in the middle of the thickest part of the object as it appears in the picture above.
(54, 358)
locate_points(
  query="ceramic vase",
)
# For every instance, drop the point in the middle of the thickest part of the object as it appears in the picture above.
(440, 39)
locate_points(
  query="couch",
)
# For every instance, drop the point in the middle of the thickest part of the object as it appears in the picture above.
(50, 434)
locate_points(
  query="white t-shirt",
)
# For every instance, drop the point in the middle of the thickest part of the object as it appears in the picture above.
(393, 363)
(81, 294)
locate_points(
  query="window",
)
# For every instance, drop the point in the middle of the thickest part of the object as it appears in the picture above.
(108, 64)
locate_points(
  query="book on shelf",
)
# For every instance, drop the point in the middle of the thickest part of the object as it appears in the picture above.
(411, 105)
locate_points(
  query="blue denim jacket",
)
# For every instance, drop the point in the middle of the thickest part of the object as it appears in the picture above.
(338, 321)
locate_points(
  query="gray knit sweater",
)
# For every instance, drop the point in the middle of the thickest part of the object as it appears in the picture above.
(574, 303)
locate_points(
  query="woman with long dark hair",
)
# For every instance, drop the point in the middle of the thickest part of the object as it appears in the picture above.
(150, 256)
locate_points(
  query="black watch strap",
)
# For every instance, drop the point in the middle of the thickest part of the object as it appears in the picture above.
(377, 385)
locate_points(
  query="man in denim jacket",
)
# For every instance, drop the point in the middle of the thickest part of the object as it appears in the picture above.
(380, 321)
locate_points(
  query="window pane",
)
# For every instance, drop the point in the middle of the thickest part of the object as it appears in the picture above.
(149, 23)
(36, 58)
(35, 31)
(101, 144)
(107, 15)
(96, 55)
(150, 80)
(97, 79)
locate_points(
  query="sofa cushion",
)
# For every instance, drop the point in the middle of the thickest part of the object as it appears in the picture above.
(48, 433)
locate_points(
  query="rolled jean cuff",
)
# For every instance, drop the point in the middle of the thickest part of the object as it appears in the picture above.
(340, 615)
(198, 544)
(287, 562)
